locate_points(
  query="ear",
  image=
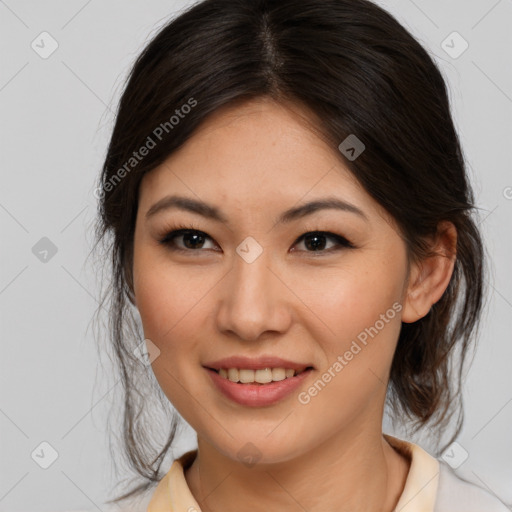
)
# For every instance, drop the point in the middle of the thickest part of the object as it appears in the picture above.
(429, 278)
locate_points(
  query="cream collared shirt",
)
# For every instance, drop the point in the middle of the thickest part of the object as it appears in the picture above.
(431, 486)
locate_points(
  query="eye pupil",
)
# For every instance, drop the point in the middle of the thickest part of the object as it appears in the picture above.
(192, 240)
(316, 245)
(198, 240)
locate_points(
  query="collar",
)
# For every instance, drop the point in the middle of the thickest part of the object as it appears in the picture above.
(172, 493)
(420, 490)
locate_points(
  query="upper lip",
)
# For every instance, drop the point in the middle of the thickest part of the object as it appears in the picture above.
(258, 363)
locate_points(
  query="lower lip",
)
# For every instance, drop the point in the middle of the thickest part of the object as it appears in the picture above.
(257, 395)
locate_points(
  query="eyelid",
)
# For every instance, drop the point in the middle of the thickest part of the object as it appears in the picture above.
(179, 230)
(170, 234)
(340, 240)
(313, 227)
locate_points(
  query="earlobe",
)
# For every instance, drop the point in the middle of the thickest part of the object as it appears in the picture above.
(417, 302)
(430, 277)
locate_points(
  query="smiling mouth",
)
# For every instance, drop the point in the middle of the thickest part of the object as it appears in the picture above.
(259, 377)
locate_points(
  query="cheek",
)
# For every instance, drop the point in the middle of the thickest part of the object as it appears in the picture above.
(361, 308)
(170, 312)
(174, 304)
(158, 301)
(167, 306)
(360, 304)
(159, 290)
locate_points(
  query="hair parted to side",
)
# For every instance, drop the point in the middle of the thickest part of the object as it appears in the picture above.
(358, 71)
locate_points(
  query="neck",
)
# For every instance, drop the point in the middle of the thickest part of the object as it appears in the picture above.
(349, 472)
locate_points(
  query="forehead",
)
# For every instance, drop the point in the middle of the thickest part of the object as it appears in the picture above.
(252, 157)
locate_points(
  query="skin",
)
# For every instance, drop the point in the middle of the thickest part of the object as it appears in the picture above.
(254, 161)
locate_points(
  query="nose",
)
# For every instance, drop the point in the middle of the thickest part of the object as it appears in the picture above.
(254, 300)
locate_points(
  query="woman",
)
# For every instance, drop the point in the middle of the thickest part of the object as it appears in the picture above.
(291, 218)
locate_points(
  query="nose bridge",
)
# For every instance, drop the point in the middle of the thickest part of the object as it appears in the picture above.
(252, 278)
(253, 301)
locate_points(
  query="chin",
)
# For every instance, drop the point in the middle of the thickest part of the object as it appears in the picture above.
(258, 449)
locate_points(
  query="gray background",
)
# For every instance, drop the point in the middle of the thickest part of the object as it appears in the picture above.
(56, 116)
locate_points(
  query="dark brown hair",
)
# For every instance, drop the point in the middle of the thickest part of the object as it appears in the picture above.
(360, 72)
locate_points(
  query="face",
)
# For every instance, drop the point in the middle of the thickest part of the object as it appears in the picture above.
(321, 288)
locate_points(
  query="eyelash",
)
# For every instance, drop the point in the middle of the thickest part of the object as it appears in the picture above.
(180, 230)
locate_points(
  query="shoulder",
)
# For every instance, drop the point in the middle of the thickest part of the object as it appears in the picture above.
(457, 495)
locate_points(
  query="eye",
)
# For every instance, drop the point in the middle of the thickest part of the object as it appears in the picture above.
(315, 240)
(194, 240)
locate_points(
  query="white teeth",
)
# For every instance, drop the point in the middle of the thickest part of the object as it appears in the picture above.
(246, 375)
(278, 374)
(262, 376)
(233, 375)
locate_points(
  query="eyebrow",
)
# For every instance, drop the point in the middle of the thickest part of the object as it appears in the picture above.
(212, 212)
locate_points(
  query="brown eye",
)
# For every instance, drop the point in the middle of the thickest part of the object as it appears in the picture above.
(315, 241)
(191, 240)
